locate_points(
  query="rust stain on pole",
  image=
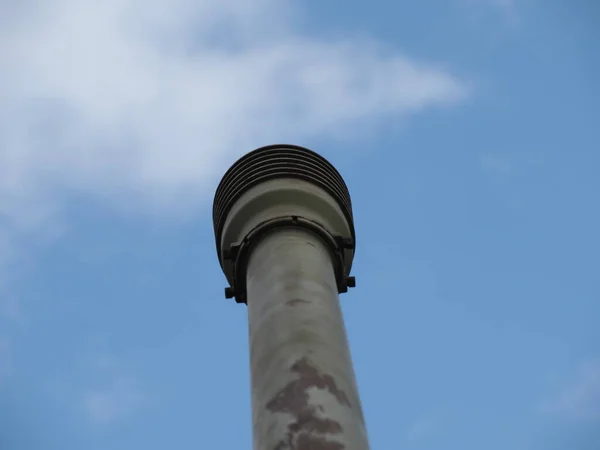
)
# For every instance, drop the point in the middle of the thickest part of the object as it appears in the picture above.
(294, 396)
(306, 433)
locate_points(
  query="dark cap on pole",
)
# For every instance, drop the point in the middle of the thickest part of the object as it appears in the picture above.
(281, 185)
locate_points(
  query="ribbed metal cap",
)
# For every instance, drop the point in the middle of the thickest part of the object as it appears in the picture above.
(277, 161)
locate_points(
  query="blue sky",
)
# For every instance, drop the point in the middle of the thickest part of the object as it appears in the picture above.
(467, 131)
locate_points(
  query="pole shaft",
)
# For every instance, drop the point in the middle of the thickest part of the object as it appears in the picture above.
(304, 392)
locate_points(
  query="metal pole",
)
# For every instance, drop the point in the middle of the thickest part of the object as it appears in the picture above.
(304, 393)
(285, 238)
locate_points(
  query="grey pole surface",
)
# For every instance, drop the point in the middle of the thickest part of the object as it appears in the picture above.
(304, 393)
(285, 238)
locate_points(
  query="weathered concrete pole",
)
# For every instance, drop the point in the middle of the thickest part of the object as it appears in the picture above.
(285, 239)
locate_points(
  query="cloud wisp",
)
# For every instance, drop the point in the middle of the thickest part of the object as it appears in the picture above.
(496, 164)
(4, 360)
(114, 402)
(115, 396)
(125, 99)
(426, 426)
(580, 399)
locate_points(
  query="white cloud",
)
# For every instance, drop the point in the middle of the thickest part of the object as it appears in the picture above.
(421, 428)
(503, 5)
(425, 426)
(141, 104)
(118, 400)
(507, 10)
(579, 399)
(145, 100)
(4, 360)
(10, 307)
(496, 164)
(115, 396)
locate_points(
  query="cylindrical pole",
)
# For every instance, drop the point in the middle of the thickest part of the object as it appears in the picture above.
(304, 393)
(284, 231)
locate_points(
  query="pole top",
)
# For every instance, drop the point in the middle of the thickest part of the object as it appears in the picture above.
(275, 186)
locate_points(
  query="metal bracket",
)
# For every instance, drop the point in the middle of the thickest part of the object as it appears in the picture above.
(239, 253)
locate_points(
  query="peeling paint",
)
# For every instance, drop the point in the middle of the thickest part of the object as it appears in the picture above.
(308, 442)
(306, 432)
(294, 397)
(296, 301)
